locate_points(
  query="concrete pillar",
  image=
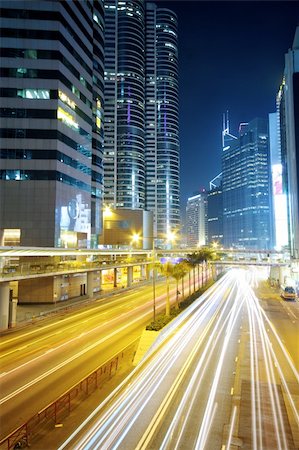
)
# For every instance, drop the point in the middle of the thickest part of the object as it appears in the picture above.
(129, 276)
(99, 279)
(143, 271)
(115, 277)
(4, 305)
(90, 277)
(13, 313)
(148, 271)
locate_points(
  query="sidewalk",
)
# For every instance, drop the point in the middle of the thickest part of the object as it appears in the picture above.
(50, 437)
(26, 313)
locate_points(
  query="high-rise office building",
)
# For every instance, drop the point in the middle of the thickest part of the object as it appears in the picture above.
(246, 187)
(196, 220)
(162, 119)
(288, 109)
(141, 163)
(279, 198)
(51, 177)
(124, 171)
(215, 211)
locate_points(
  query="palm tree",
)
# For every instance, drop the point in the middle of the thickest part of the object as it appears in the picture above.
(179, 270)
(167, 270)
(185, 269)
(204, 255)
(192, 261)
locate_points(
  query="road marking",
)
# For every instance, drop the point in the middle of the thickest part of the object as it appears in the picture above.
(232, 391)
(236, 359)
(65, 362)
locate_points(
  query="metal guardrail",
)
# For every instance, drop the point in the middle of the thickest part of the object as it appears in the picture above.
(61, 408)
(10, 273)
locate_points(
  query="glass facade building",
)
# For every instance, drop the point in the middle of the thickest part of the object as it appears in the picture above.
(124, 104)
(51, 177)
(162, 155)
(288, 110)
(246, 182)
(141, 158)
(196, 220)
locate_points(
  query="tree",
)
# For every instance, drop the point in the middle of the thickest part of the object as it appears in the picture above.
(192, 261)
(202, 256)
(167, 269)
(179, 270)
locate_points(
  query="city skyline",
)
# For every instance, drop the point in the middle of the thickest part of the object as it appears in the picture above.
(213, 37)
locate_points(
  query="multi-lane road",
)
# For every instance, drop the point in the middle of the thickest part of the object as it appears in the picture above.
(40, 363)
(224, 374)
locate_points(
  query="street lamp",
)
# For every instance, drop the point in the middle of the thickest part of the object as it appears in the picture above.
(215, 244)
(154, 281)
(135, 238)
(170, 237)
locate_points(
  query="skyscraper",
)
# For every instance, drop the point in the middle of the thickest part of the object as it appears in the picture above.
(162, 119)
(288, 108)
(196, 220)
(215, 211)
(141, 111)
(124, 104)
(246, 187)
(51, 177)
(279, 198)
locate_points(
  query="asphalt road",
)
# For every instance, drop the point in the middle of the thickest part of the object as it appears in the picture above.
(40, 363)
(224, 374)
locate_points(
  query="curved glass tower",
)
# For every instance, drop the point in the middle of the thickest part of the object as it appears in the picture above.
(124, 118)
(141, 155)
(162, 120)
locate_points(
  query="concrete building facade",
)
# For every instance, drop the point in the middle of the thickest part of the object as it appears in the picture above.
(51, 177)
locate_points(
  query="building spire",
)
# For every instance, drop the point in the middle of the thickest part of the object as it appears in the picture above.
(226, 136)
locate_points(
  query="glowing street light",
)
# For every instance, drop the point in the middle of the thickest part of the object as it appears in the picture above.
(135, 238)
(107, 212)
(170, 236)
(215, 244)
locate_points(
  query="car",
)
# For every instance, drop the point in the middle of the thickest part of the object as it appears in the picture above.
(287, 292)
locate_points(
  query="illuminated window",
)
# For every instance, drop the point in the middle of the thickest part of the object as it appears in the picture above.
(67, 119)
(41, 94)
(65, 99)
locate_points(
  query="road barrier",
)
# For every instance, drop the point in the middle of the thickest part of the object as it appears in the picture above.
(61, 408)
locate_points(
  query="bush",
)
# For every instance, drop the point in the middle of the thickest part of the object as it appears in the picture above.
(163, 320)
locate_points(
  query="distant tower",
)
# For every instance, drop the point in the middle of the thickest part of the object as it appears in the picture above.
(227, 138)
(215, 211)
(196, 220)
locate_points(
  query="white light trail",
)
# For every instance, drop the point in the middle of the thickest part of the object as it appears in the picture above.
(200, 336)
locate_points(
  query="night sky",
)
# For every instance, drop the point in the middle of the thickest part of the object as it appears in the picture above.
(231, 57)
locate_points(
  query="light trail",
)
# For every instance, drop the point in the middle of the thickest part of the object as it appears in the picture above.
(199, 337)
(66, 361)
(194, 384)
(231, 428)
(257, 319)
(99, 439)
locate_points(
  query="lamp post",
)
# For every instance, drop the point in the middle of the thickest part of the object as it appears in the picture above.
(154, 281)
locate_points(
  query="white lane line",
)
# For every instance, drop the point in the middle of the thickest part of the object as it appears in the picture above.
(65, 362)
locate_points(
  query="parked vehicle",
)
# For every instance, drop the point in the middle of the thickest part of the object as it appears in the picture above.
(287, 292)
